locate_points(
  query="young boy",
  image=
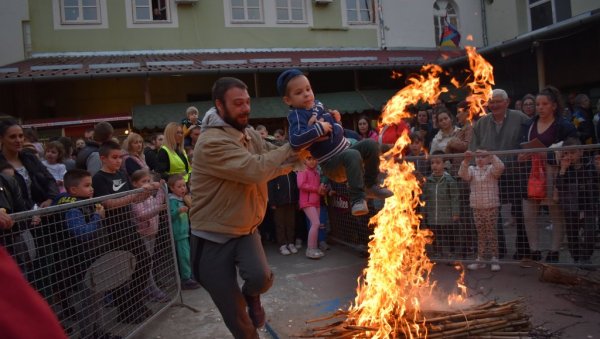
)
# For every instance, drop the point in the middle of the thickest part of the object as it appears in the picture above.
(577, 186)
(81, 246)
(319, 131)
(181, 230)
(191, 119)
(416, 149)
(121, 232)
(440, 195)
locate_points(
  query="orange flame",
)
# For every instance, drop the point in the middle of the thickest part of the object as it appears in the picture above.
(462, 287)
(397, 276)
(396, 75)
(481, 85)
(470, 37)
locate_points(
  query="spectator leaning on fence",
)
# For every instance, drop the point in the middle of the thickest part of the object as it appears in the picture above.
(501, 130)
(146, 214)
(485, 201)
(181, 230)
(80, 246)
(548, 127)
(230, 200)
(129, 297)
(442, 210)
(578, 189)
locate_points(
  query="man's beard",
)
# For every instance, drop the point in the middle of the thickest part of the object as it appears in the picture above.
(231, 121)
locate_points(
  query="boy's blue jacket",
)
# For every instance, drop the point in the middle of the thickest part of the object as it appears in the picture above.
(303, 136)
(82, 222)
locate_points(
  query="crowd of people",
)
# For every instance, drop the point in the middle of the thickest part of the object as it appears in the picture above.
(241, 178)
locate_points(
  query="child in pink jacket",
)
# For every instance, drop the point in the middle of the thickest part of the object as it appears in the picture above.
(311, 189)
(146, 217)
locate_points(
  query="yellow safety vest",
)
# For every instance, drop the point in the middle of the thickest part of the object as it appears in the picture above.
(176, 165)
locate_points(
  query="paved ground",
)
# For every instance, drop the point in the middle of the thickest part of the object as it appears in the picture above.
(306, 289)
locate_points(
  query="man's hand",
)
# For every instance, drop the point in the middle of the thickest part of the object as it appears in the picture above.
(327, 128)
(336, 115)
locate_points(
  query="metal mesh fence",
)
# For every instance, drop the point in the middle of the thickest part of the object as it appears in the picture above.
(509, 205)
(102, 272)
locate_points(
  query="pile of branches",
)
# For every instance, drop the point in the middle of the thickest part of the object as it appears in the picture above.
(488, 320)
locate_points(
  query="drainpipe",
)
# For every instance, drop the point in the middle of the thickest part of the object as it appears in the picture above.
(381, 25)
(484, 24)
(541, 65)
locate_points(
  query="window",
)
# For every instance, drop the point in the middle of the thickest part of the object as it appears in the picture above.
(80, 12)
(150, 11)
(246, 10)
(290, 11)
(443, 10)
(360, 11)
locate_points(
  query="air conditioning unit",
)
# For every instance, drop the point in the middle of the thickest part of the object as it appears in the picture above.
(186, 2)
(322, 2)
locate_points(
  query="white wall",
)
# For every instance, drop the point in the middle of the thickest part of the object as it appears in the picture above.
(581, 6)
(409, 23)
(12, 15)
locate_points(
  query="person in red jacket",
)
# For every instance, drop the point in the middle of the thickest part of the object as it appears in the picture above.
(20, 305)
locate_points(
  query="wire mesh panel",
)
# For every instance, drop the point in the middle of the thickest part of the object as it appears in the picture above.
(102, 271)
(538, 204)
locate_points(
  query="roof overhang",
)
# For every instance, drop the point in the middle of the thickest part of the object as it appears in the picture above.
(90, 65)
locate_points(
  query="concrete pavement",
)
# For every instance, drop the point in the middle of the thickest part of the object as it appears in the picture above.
(307, 289)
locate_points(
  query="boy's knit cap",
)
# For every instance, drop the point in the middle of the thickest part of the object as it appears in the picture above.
(285, 77)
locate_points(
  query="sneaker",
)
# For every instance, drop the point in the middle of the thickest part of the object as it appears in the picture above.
(495, 265)
(292, 248)
(360, 208)
(323, 246)
(476, 265)
(157, 296)
(376, 192)
(284, 250)
(314, 253)
(255, 310)
(190, 284)
(298, 244)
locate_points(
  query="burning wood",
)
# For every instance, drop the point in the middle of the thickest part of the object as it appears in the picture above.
(504, 320)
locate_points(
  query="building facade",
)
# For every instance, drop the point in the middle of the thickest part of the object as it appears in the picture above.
(149, 58)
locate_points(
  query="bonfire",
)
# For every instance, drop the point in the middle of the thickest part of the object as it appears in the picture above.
(396, 283)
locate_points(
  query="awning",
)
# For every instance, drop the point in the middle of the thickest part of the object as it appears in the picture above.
(89, 65)
(158, 116)
(62, 122)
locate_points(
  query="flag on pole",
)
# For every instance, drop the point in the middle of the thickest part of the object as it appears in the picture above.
(450, 36)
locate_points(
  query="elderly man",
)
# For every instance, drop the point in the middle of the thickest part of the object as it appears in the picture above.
(499, 131)
(231, 167)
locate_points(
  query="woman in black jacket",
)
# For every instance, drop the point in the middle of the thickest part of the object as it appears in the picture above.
(36, 183)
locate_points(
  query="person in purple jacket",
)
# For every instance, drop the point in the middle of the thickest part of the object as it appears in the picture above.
(318, 130)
